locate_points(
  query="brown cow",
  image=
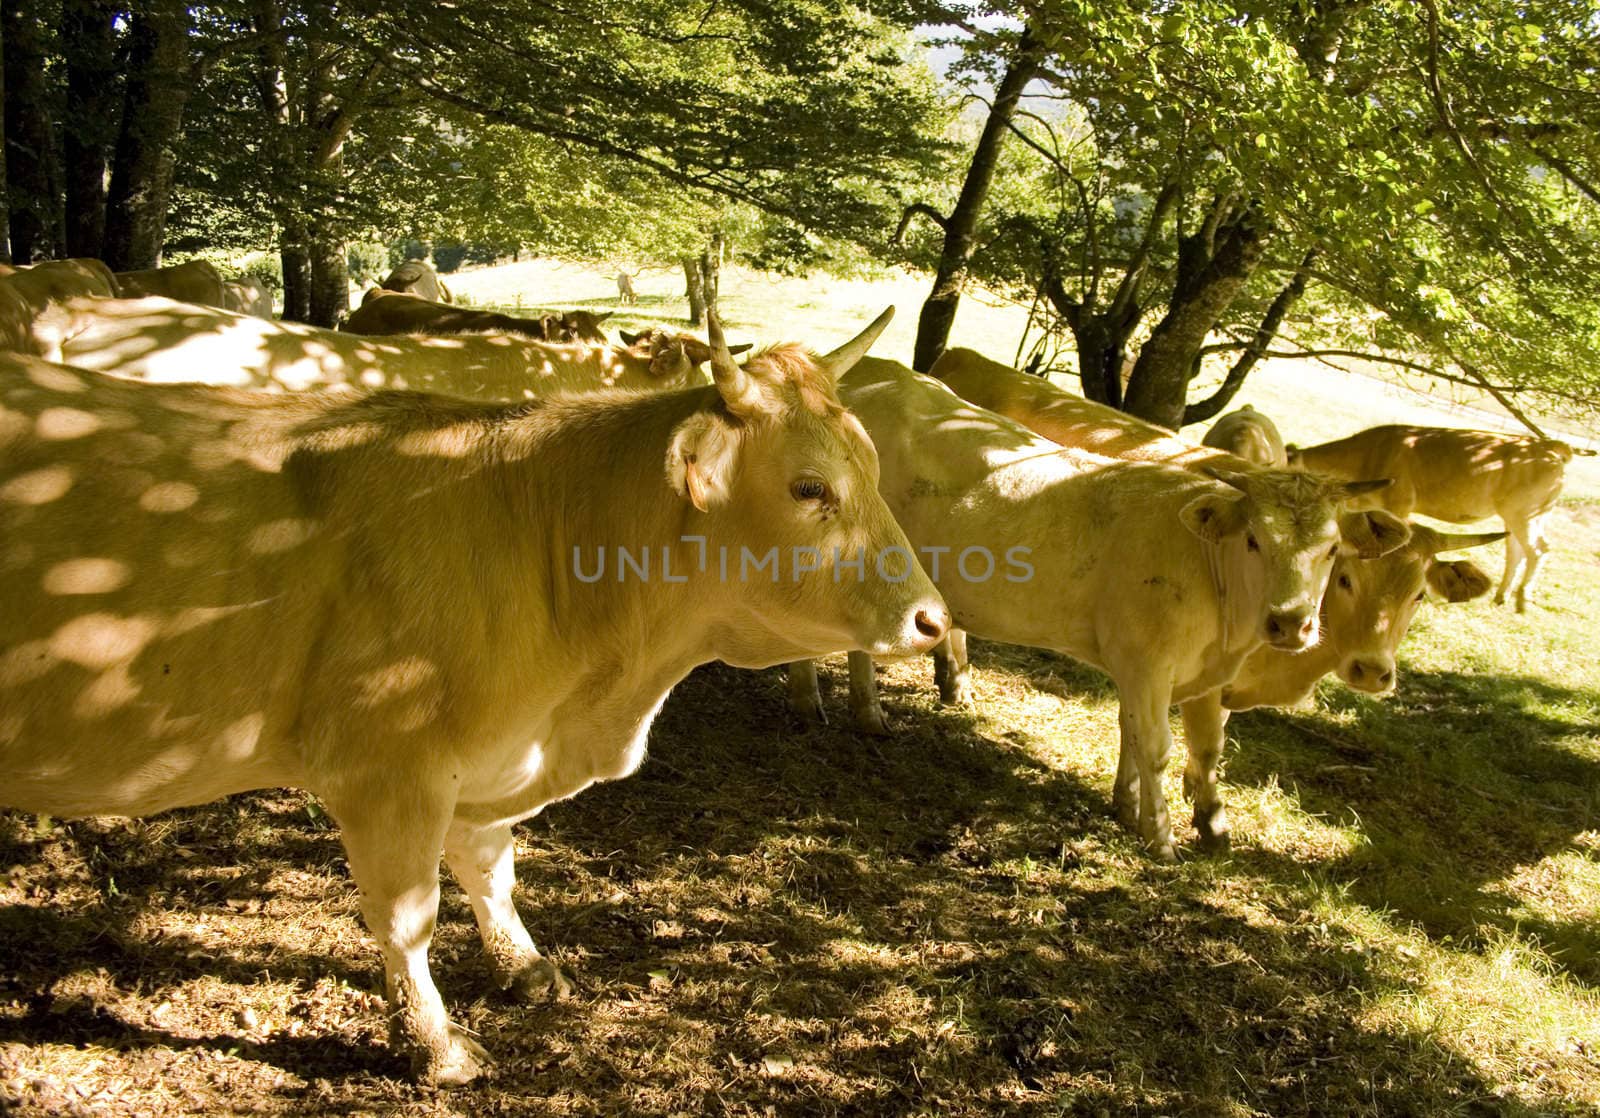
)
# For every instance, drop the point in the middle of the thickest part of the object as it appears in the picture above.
(383, 312)
(417, 277)
(395, 614)
(193, 281)
(1460, 476)
(157, 339)
(1248, 434)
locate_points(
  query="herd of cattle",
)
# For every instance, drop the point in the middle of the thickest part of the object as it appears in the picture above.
(210, 588)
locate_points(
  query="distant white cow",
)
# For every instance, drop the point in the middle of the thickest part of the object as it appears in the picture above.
(626, 295)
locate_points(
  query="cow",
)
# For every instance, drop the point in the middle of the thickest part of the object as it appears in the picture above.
(1460, 476)
(157, 339)
(626, 295)
(248, 295)
(55, 280)
(1164, 578)
(193, 281)
(379, 598)
(384, 312)
(417, 277)
(1248, 434)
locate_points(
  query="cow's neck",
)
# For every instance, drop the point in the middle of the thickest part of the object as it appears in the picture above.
(1239, 598)
(1272, 677)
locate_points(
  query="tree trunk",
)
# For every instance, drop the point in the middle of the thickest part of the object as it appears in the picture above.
(157, 90)
(330, 280)
(711, 273)
(296, 259)
(1264, 333)
(89, 122)
(1211, 275)
(695, 289)
(960, 228)
(31, 167)
(5, 200)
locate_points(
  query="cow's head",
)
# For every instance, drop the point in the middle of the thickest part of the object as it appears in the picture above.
(582, 326)
(1278, 533)
(1370, 602)
(671, 354)
(780, 470)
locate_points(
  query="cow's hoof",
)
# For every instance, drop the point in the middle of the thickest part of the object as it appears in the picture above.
(958, 695)
(811, 714)
(871, 721)
(540, 980)
(1499, 599)
(1212, 825)
(458, 1060)
(1163, 851)
(1127, 813)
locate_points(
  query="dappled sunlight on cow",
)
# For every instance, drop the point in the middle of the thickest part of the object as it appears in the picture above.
(375, 598)
(384, 312)
(1249, 435)
(161, 340)
(417, 277)
(193, 281)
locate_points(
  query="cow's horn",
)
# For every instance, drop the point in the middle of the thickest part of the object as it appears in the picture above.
(843, 359)
(1456, 541)
(739, 390)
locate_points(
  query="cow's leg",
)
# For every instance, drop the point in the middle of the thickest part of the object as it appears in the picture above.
(950, 669)
(1534, 547)
(1514, 557)
(1125, 789)
(484, 862)
(1203, 721)
(393, 830)
(805, 695)
(1148, 735)
(864, 696)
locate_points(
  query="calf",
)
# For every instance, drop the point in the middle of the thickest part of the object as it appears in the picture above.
(379, 598)
(1460, 476)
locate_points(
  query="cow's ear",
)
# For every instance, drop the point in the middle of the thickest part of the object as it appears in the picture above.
(1372, 534)
(1214, 516)
(700, 460)
(1459, 580)
(599, 318)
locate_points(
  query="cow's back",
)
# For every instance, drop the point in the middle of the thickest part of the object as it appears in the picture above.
(194, 281)
(1061, 416)
(56, 280)
(417, 277)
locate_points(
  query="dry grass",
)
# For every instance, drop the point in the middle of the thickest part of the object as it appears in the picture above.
(774, 920)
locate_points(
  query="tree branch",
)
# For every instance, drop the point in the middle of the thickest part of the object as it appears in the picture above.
(918, 209)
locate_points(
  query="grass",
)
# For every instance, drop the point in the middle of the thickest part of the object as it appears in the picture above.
(769, 919)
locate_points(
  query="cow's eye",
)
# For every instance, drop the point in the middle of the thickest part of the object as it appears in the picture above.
(1344, 582)
(1333, 552)
(1421, 595)
(809, 489)
(1251, 542)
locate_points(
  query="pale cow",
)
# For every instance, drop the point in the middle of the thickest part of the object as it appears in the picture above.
(159, 340)
(248, 295)
(417, 277)
(1163, 578)
(193, 281)
(53, 281)
(384, 312)
(380, 599)
(626, 295)
(1460, 476)
(1248, 434)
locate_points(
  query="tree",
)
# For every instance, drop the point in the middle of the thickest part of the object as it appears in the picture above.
(89, 119)
(1194, 171)
(32, 169)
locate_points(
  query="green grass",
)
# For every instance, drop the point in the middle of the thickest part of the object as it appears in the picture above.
(770, 919)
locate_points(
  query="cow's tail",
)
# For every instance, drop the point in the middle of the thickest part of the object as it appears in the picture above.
(1565, 451)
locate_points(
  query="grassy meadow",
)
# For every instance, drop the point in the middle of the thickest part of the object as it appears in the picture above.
(773, 919)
